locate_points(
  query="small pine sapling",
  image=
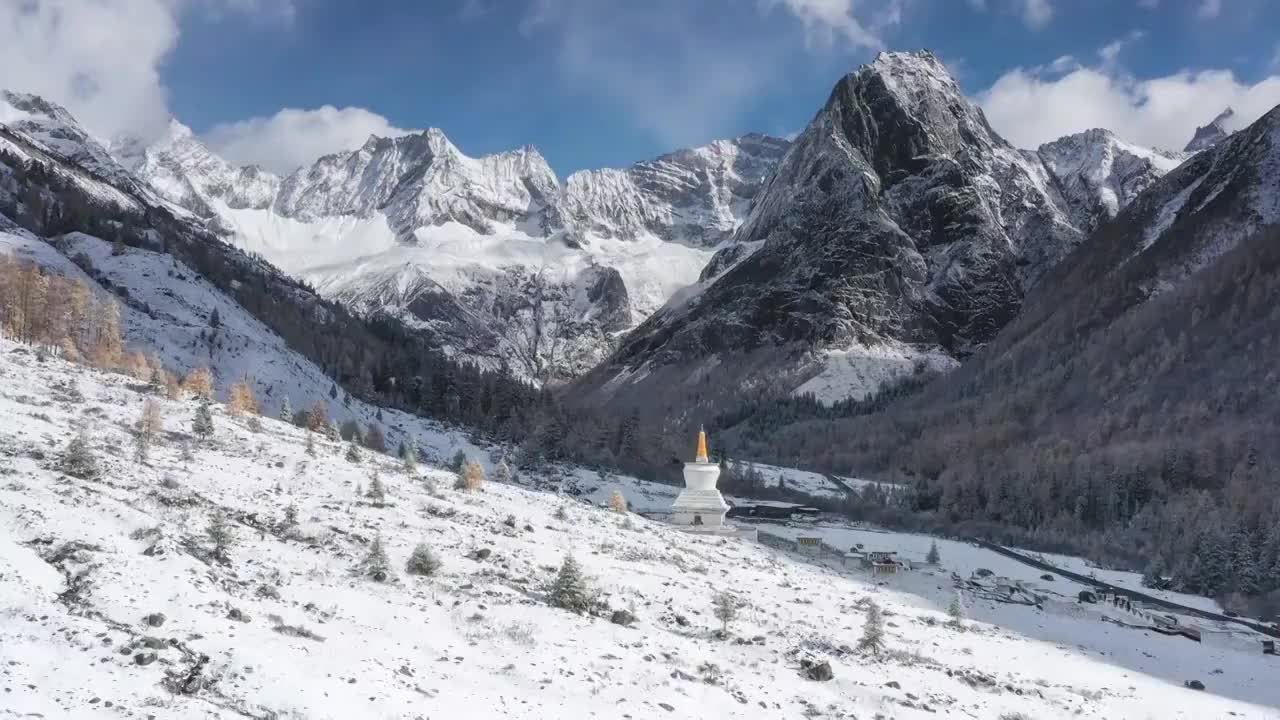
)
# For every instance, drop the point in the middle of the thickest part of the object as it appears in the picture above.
(202, 426)
(311, 444)
(872, 640)
(502, 473)
(78, 459)
(353, 453)
(955, 611)
(377, 492)
(375, 564)
(569, 589)
(562, 513)
(221, 536)
(934, 557)
(459, 459)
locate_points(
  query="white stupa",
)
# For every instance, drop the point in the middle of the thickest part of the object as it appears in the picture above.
(700, 505)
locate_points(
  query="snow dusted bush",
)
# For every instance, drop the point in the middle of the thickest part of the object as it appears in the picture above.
(472, 476)
(618, 502)
(422, 561)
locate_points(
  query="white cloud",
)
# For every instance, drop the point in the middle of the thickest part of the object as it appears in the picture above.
(682, 71)
(1036, 13)
(1209, 9)
(826, 22)
(101, 58)
(1111, 51)
(1029, 108)
(293, 137)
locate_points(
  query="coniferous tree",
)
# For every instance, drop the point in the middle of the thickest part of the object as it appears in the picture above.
(872, 639)
(202, 426)
(286, 410)
(78, 459)
(221, 537)
(569, 590)
(934, 557)
(353, 453)
(311, 444)
(377, 490)
(459, 459)
(502, 473)
(955, 611)
(375, 564)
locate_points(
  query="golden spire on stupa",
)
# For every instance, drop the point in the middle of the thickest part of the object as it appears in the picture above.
(702, 446)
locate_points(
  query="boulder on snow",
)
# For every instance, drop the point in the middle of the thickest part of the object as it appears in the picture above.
(1194, 684)
(622, 617)
(1047, 576)
(818, 671)
(155, 619)
(145, 658)
(1087, 597)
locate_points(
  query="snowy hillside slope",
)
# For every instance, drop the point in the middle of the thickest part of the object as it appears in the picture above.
(168, 311)
(474, 226)
(114, 604)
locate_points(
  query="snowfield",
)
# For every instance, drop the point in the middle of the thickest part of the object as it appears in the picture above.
(288, 629)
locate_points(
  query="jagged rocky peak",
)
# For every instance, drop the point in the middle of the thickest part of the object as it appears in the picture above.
(186, 172)
(697, 196)
(1209, 135)
(1098, 173)
(897, 218)
(421, 180)
(56, 131)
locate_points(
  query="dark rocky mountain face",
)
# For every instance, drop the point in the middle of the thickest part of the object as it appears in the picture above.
(1126, 411)
(898, 217)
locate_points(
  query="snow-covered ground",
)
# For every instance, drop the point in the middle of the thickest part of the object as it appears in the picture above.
(290, 631)
(861, 370)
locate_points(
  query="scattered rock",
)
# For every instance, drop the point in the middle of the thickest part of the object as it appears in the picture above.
(622, 617)
(145, 658)
(270, 592)
(1195, 684)
(668, 708)
(238, 615)
(154, 643)
(893, 684)
(682, 621)
(819, 671)
(155, 619)
(528, 528)
(1047, 576)
(483, 553)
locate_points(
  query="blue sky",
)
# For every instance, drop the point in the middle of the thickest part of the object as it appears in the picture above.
(607, 82)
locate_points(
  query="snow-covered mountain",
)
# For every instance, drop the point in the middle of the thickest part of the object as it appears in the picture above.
(898, 227)
(1209, 135)
(1097, 173)
(411, 223)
